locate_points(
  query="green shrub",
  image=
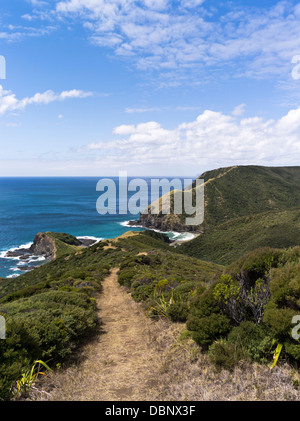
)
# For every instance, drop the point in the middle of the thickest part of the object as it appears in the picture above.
(205, 304)
(256, 264)
(146, 278)
(142, 292)
(292, 349)
(157, 236)
(162, 286)
(135, 285)
(126, 276)
(257, 340)
(207, 329)
(56, 319)
(178, 312)
(285, 285)
(225, 355)
(16, 350)
(280, 321)
(185, 290)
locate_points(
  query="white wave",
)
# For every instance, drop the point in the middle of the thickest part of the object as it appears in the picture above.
(22, 246)
(124, 223)
(128, 225)
(184, 236)
(12, 276)
(178, 236)
(15, 269)
(36, 259)
(90, 237)
(3, 255)
(22, 263)
(173, 235)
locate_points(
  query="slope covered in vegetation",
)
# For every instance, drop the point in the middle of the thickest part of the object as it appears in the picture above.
(50, 310)
(246, 190)
(234, 192)
(226, 242)
(244, 311)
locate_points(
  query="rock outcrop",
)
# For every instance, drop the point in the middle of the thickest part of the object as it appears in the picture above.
(43, 245)
(163, 223)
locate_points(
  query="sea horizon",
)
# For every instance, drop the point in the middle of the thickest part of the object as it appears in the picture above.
(29, 205)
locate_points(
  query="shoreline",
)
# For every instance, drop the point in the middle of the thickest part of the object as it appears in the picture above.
(26, 261)
(188, 236)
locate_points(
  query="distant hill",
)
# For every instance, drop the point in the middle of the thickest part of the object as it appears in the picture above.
(246, 207)
(245, 190)
(236, 191)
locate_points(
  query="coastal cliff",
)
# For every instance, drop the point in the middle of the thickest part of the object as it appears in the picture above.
(43, 245)
(165, 223)
(47, 246)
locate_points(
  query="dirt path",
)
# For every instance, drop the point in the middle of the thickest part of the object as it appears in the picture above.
(137, 359)
(123, 363)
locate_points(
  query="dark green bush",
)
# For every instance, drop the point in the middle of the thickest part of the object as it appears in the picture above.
(292, 349)
(135, 284)
(184, 290)
(178, 312)
(20, 346)
(205, 304)
(280, 321)
(226, 355)
(57, 319)
(126, 276)
(142, 292)
(207, 329)
(257, 340)
(156, 236)
(146, 278)
(256, 264)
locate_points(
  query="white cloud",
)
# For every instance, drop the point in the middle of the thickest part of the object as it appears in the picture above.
(213, 138)
(38, 3)
(239, 110)
(158, 35)
(124, 129)
(191, 3)
(145, 110)
(13, 33)
(9, 102)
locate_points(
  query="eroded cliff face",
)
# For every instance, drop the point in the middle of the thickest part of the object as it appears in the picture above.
(43, 245)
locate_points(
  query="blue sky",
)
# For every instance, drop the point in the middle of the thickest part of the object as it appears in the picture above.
(151, 87)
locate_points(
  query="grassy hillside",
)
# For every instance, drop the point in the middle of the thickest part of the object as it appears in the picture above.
(61, 243)
(226, 242)
(244, 312)
(50, 310)
(238, 312)
(64, 238)
(234, 192)
(246, 190)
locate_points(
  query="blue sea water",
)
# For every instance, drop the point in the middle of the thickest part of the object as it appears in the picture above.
(67, 204)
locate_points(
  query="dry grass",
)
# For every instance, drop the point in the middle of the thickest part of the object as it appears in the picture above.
(138, 359)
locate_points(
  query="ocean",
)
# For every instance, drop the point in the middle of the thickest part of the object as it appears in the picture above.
(59, 204)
